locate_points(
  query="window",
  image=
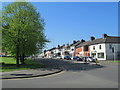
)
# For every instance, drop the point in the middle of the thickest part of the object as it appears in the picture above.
(72, 49)
(85, 48)
(93, 54)
(110, 46)
(88, 54)
(100, 55)
(93, 47)
(100, 47)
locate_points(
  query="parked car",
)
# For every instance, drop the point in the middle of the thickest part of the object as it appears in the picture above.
(77, 58)
(59, 57)
(67, 57)
(89, 59)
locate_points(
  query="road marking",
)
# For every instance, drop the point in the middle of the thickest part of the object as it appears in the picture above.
(36, 77)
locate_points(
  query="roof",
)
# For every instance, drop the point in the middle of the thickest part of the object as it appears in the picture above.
(83, 44)
(51, 49)
(109, 39)
(112, 39)
(74, 44)
(97, 41)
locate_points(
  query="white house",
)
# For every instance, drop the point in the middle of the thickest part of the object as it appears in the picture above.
(105, 48)
(72, 48)
(65, 50)
(98, 51)
(50, 53)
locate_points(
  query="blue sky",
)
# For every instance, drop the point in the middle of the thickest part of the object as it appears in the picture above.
(68, 21)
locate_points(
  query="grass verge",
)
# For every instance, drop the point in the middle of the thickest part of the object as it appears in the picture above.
(10, 64)
(116, 61)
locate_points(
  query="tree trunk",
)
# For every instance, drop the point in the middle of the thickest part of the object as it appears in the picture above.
(22, 58)
(17, 57)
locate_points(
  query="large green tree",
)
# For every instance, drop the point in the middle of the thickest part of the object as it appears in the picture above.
(23, 30)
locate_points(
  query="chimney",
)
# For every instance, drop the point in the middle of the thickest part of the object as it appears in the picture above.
(67, 44)
(82, 40)
(63, 45)
(74, 41)
(58, 46)
(104, 35)
(92, 38)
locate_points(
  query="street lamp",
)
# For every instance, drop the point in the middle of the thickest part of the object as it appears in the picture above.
(113, 51)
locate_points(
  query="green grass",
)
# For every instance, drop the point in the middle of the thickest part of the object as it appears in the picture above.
(7, 60)
(116, 61)
(10, 64)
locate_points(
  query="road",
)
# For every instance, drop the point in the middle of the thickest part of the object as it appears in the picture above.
(75, 75)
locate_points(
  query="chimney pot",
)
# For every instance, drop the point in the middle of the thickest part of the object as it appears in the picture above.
(82, 40)
(104, 35)
(92, 38)
(74, 41)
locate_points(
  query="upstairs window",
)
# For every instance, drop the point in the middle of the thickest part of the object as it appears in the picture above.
(100, 47)
(85, 48)
(110, 46)
(93, 47)
(72, 49)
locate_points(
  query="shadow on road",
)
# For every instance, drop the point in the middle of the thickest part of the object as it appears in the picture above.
(68, 65)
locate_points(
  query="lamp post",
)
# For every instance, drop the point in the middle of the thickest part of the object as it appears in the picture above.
(113, 51)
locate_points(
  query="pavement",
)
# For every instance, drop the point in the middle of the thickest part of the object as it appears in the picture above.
(29, 73)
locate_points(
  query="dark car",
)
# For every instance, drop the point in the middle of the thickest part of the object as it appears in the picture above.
(67, 57)
(77, 58)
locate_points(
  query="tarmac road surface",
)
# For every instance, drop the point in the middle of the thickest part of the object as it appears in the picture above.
(76, 75)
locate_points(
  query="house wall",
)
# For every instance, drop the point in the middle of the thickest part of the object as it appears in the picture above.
(48, 54)
(112, 54)
(79, 51)
(55, 53)
(107, 50)
(87, 53)
(62, 52)
(94, 52)
(72, 50)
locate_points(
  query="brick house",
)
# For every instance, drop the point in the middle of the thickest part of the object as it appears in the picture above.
(82, 49)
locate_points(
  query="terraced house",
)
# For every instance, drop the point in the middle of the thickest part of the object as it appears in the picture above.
(82, 49)
(105, 48)
(72, 47)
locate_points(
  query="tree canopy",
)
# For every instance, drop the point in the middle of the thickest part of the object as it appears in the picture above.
(23, 29)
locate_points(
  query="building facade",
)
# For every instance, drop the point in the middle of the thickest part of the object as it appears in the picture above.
(105, 48)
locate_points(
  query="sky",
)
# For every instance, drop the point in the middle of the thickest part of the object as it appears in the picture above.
(68, 21)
